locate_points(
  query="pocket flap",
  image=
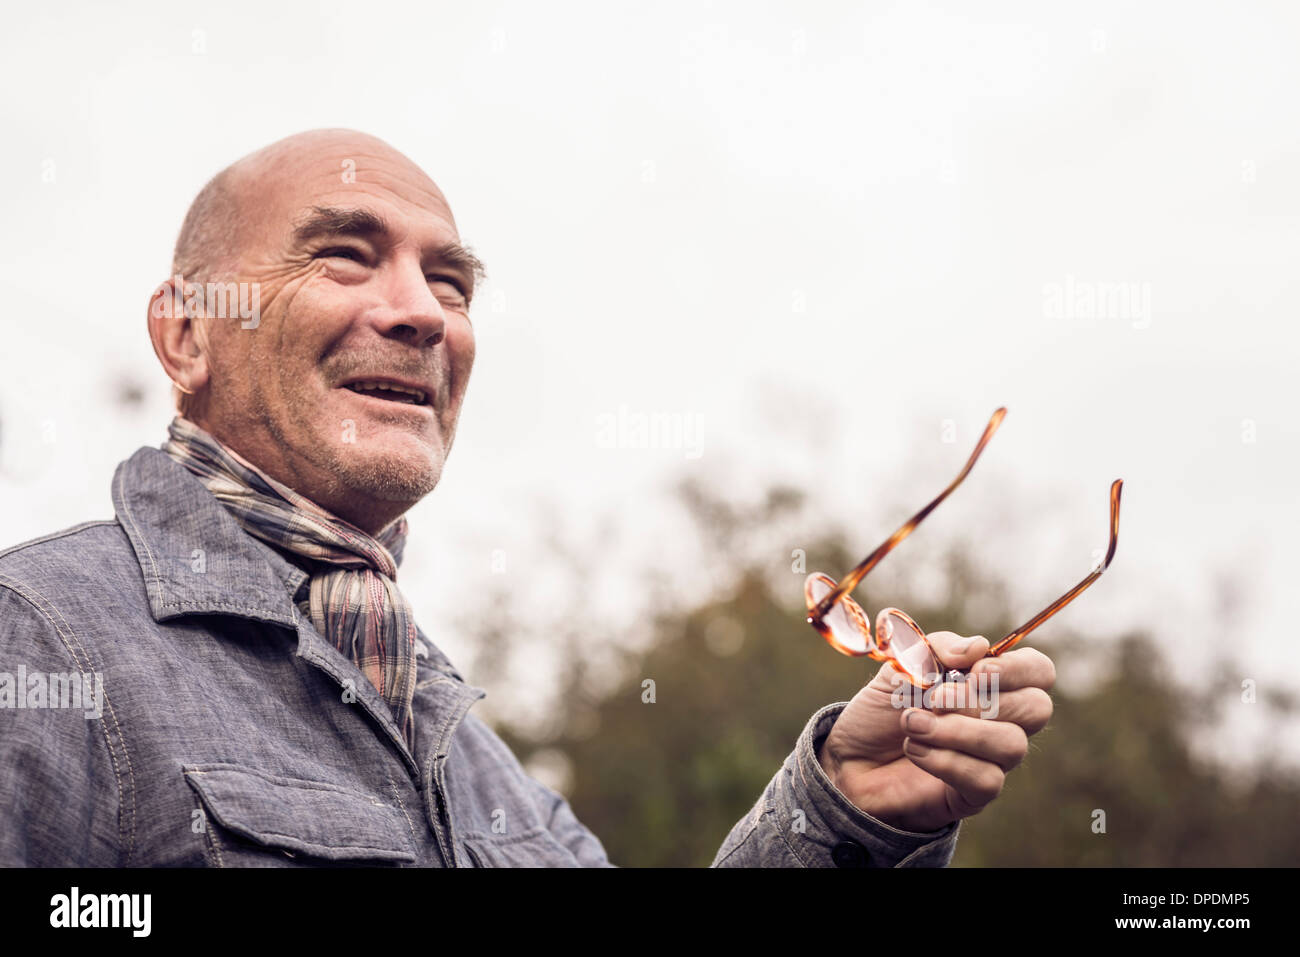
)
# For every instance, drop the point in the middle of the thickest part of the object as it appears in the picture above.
(301, 816)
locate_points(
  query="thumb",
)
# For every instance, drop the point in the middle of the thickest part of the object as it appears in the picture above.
(957, 651)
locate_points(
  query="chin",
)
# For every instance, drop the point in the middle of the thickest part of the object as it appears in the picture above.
(393, 476)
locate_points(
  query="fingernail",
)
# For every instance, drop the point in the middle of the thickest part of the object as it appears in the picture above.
(962, 645)
(916, 748)
(920, 722)
(990, 667)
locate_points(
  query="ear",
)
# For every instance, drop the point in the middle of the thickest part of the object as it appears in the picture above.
(178, 341)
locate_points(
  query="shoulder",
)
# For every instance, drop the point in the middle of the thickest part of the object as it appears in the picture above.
(39, 579)
(476, 740)
(479, 745)
(80, 542)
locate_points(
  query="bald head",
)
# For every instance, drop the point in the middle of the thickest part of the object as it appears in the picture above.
(207, 248)
(204, 249)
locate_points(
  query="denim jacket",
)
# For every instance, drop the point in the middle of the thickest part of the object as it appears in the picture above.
(164, 702)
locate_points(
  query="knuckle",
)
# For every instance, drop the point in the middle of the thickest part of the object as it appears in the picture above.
(1018, 744)
(1051, 675)
(1042, 705)
(1049, 671)
(990, 781)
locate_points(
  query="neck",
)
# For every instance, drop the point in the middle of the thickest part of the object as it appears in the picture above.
(320, 487)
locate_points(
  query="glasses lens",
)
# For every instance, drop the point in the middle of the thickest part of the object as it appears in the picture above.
(900, 637)
(845, 625)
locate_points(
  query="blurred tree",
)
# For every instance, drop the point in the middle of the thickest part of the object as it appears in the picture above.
(737, 677)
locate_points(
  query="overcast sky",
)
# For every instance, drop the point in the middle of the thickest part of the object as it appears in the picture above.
(869, 222)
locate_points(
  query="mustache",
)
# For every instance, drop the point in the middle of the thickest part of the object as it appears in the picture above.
(416, 367)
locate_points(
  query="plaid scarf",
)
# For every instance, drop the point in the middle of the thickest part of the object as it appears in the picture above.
(354, 601)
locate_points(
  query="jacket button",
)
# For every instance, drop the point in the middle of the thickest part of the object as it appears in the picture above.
(849, 854)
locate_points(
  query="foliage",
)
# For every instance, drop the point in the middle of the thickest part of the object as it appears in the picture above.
(737, 677)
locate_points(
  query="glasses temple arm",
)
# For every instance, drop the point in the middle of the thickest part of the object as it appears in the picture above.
(851, 580)
(1010, 640)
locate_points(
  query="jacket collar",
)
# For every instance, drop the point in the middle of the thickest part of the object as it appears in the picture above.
(195, 558)
(193, 555)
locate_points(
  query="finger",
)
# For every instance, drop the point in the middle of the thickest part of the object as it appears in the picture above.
(886, 679)
(957, 651)
(974, 782)
(1021, 668)
(1001, 742)
(1030, 708)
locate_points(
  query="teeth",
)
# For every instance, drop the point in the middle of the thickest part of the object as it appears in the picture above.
(388, 387)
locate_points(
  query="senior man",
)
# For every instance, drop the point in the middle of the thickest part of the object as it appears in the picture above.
(261, 692)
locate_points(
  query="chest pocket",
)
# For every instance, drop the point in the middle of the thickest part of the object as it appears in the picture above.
(258, 819)
(533, 848)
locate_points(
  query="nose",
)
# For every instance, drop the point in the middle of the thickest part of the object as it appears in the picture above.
(410, 313)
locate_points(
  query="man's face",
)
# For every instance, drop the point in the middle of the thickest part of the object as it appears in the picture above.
(350, 386)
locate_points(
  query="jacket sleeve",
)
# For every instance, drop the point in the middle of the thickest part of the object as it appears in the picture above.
(803, 820)
(568, 830)
(58, 790)
(493, 775)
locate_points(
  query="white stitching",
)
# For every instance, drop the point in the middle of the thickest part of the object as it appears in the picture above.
(14, 549)
(126, 510)
(410, 826)
(20, 589)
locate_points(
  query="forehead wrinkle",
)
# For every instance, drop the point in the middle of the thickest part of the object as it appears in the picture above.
(392, 177)
(309, 166)
(309, 180)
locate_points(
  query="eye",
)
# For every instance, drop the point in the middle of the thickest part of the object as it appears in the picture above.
(342, 252)
(459, 299)
(454, 283)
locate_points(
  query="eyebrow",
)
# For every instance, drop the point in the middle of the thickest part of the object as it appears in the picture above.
(325, 221)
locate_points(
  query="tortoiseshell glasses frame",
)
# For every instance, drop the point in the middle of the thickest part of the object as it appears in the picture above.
(898, 640)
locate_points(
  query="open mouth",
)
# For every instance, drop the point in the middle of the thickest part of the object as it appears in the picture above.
(389, 391)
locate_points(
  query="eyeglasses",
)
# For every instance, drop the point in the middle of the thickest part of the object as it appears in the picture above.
(898, 640)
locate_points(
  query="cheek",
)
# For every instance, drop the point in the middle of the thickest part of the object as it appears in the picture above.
(298, 341)
(461, 346)
(231, 357)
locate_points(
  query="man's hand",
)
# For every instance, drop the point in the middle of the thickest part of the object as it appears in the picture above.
(920, 770)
